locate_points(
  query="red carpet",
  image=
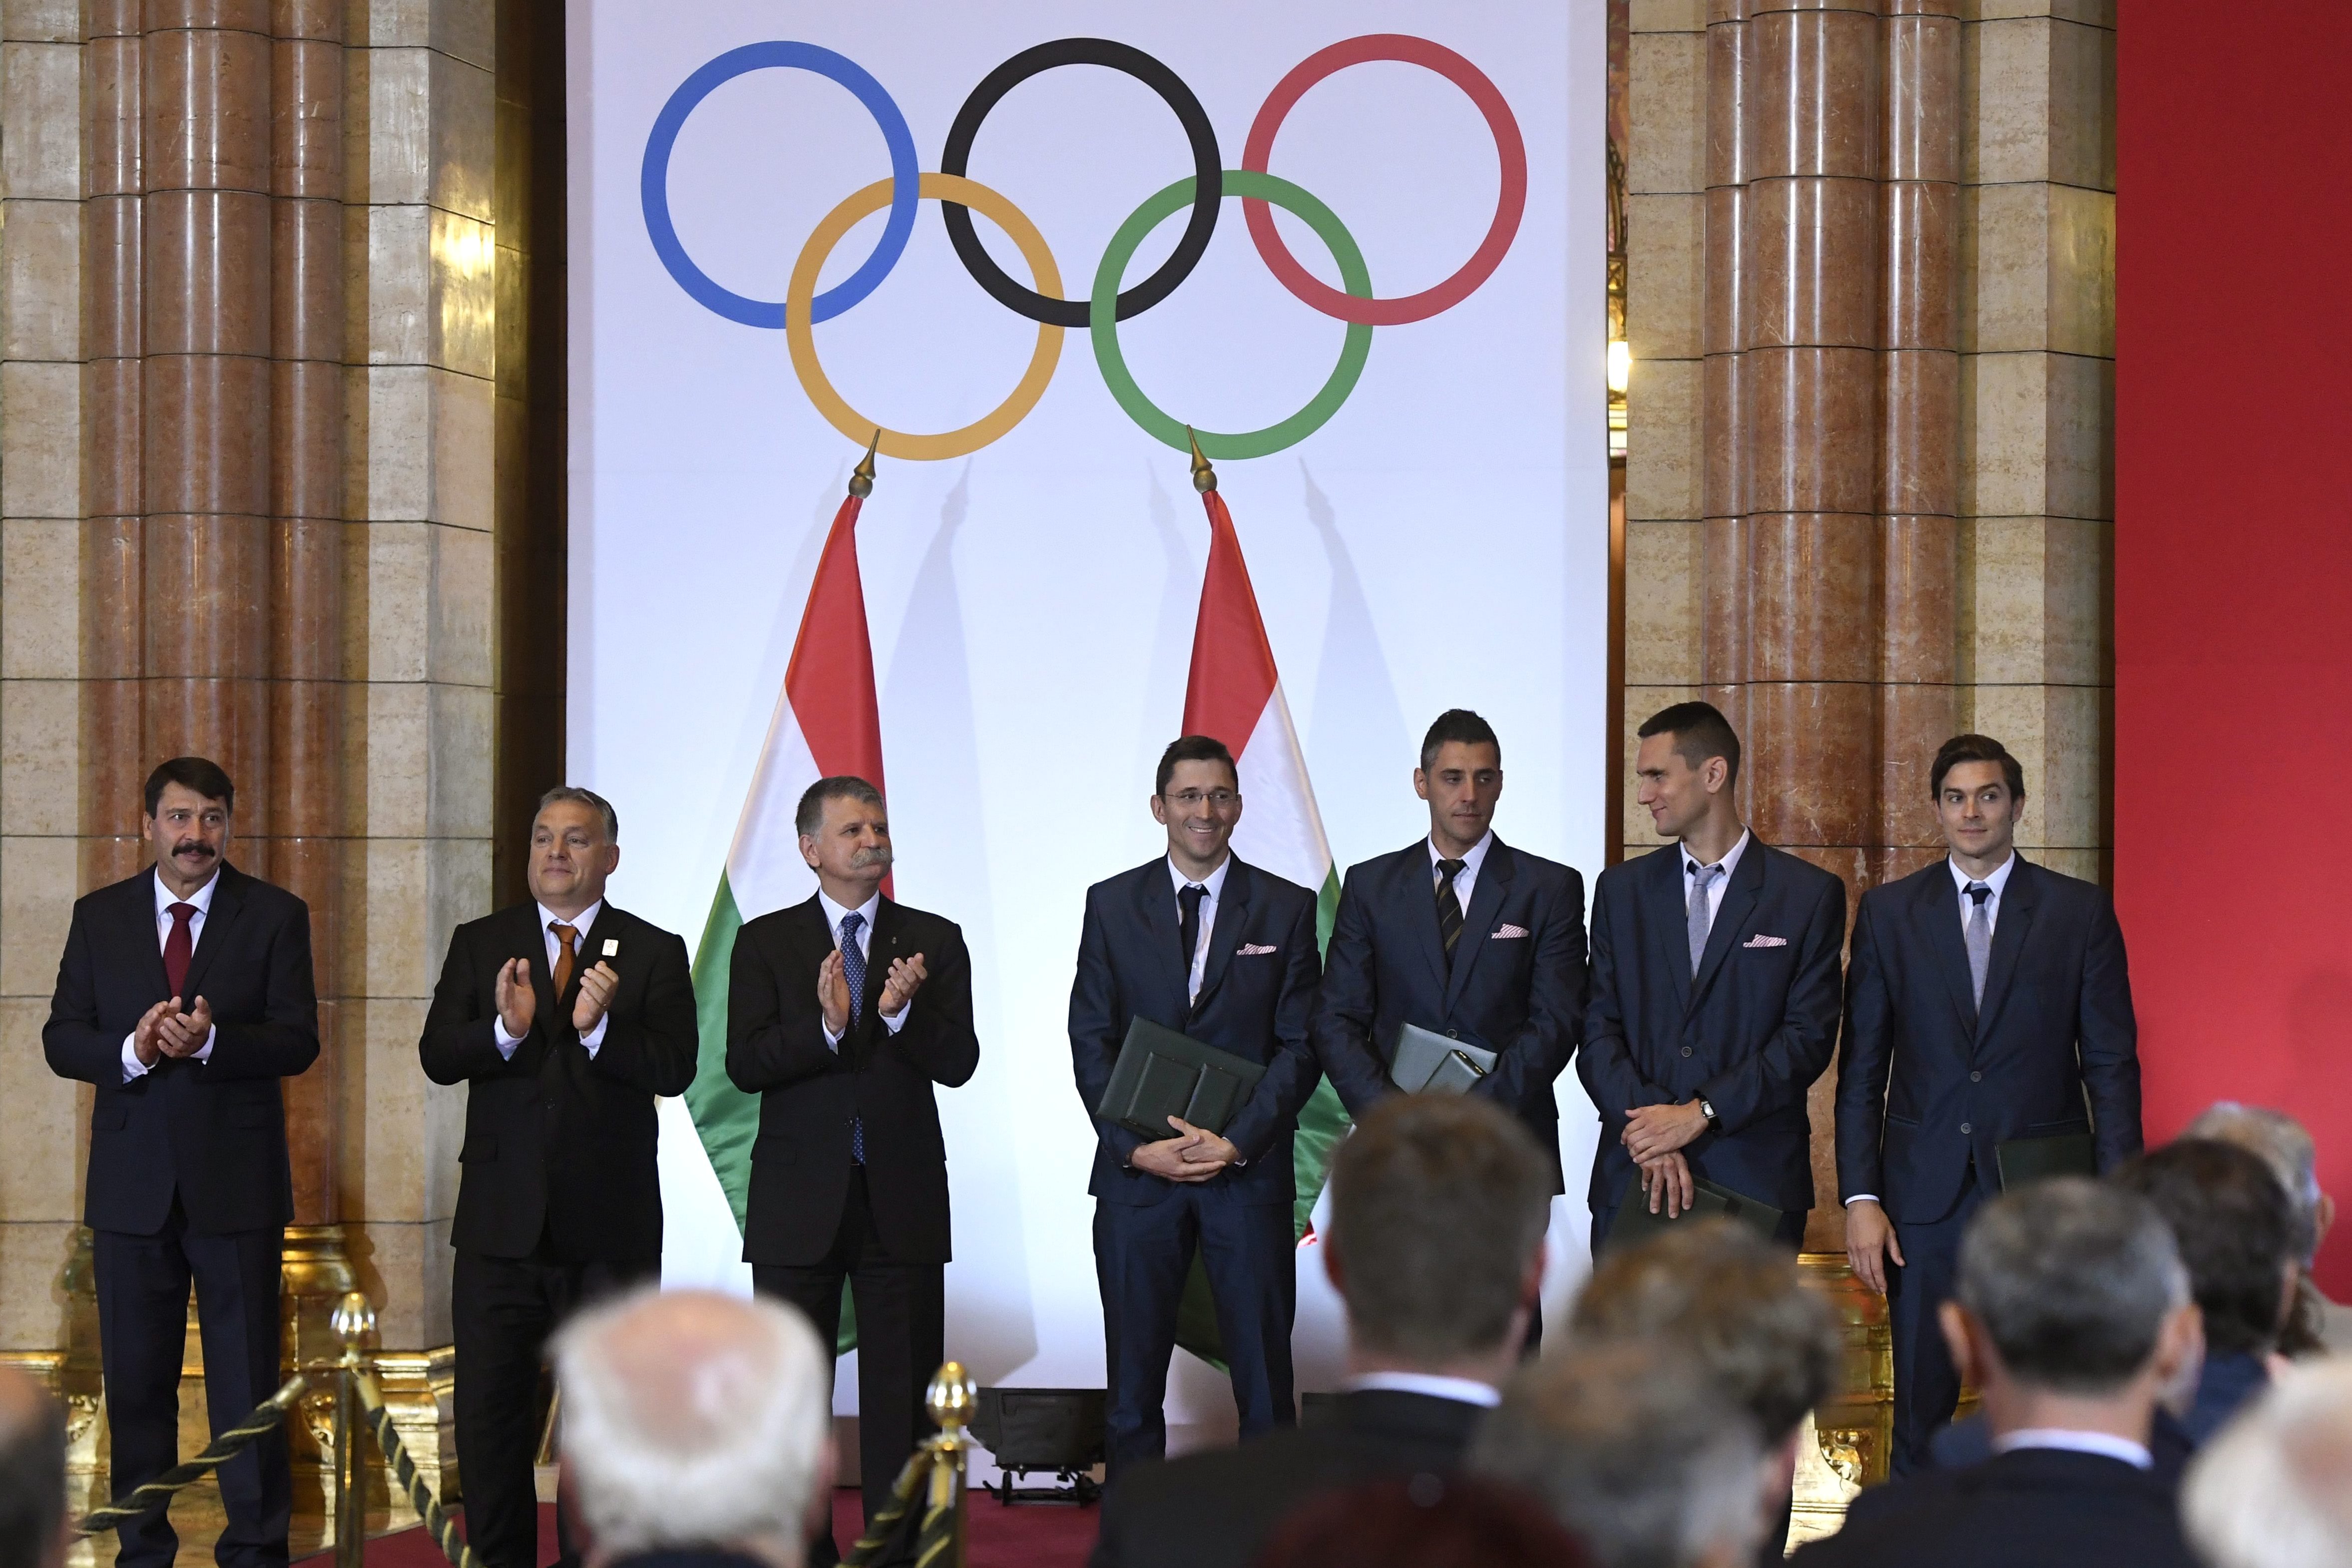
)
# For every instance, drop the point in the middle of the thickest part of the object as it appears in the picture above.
(1032, 1536)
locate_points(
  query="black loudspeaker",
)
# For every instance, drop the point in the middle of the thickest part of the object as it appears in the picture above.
(1047, 1430)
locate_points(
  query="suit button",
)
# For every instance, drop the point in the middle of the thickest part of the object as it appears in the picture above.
(1976, 1077)
(1687, 1050)
(1966, 1129)
(1454, 1034)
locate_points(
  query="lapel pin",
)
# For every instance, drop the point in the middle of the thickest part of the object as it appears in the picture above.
(612, 947)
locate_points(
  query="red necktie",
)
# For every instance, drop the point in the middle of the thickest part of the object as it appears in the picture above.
(179, 948)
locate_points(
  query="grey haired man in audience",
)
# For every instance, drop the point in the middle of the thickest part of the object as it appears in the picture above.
(2314, 1325)
(697, 1431)
(32, 1475)
(2275, 1490)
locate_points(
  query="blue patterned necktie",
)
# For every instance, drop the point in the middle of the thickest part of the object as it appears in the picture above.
(853, 972)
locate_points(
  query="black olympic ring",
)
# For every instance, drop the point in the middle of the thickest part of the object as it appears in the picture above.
(1208, 172)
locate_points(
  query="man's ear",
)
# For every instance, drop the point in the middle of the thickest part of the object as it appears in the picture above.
(1334, 1268)
(808, 849)
(1957, 1325)
(2180, 1347)
(1531, 1282)
(1421, 783)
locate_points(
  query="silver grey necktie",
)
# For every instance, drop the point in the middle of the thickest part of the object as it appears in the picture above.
(1980, 938)
(1702, 878)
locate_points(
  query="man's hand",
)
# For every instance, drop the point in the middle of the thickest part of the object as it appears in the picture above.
(147, 1039)
(1667, 1180)
(1870, 1242)
(832, 995)
(596, 987)
(181, 1035)
(518, 999)
(1176, 1159)
(1206, 1147)
(907, 976)
(1652, 1131)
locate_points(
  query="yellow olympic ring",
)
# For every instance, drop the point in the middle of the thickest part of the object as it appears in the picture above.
(802, 340)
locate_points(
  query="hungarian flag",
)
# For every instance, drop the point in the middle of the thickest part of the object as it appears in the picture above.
(1234, 694)
(825, 723)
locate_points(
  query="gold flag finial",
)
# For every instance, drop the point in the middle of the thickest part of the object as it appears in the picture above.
(861, 478)
(1205, 478)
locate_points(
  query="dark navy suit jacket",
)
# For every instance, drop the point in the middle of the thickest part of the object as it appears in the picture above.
(1927, 1082)
(1517, 986)
(1253, 1004)
(1750, 1033)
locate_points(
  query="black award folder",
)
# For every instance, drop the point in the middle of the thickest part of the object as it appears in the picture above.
(1635, 1224)
(1428, 1063)
(2023, 1160)
(1161, 1073)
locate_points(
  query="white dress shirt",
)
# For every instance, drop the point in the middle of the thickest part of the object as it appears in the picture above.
(1998, 881)
(1467, 877)
(1215, 884)
(594, 1038)
(165, 898)
(874, 982)
(2106, 1444)
(1461, 1390)
(1730, 863)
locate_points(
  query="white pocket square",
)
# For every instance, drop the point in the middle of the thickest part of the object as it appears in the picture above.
(1507, 933)
(1765, 942)
(1252, 950)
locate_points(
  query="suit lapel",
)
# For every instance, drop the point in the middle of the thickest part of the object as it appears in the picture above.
(1225, 934)
(2007, 941)
(1666, 908)
(228, 899)
(144, 927)
(1730, 915)
(1487, 893)
(1937, 911)
(1156, 906)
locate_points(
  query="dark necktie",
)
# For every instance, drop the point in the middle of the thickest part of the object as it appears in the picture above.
(567, 940)
(179, 946)
(1449, 907)
(1187, 926)
(853, 973)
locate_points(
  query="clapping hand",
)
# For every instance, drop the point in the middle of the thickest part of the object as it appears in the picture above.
(518, 999)
(181, 1035)
(596, 987)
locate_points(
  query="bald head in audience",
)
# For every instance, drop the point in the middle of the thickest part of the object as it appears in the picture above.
(32, 1475)
(2274, 1488)
(694, 1421)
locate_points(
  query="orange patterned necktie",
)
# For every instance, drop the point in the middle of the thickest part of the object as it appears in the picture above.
(566, 938)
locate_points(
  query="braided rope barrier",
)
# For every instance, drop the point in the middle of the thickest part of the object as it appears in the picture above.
(437, 1522)
(940, 1537)
(270, 1415)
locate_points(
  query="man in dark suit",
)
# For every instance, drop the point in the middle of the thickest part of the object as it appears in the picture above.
(1438, 1209)
(1463, 934)
(2071, 1314)
(841, 1013)
(184, 996)
(564, 1018)
(1223, 952)
(1715, 993)
(1987, 1001)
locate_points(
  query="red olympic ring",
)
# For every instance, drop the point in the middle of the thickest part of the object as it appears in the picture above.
(1510, 201)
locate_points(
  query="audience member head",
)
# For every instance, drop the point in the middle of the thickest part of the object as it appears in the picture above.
(2071, 1308)
(1636, 1452)
(693, 1419)
(1422, 1522)
(2294, 1158)
(1736, 1305)
(32, 1475)
(1461, 777)
(1688, 764)
(2236, 1230)
(575, 847)
(2273, 1488)
(1438, 1209)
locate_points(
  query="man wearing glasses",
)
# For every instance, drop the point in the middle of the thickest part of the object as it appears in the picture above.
(1200, 943)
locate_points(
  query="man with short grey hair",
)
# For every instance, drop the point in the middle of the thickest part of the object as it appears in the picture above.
(2272, 1490)
(1637, 1451)
(33, 1525)
(697, 1431)
(2071, 1314)
(2315, 1323)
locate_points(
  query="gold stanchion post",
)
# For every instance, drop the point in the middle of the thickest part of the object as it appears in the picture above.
(354, 1324)
(952, 1399)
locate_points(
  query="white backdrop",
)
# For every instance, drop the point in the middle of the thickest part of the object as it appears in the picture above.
(1442, 542)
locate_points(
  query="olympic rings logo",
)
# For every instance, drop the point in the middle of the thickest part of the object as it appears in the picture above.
(1201, 194)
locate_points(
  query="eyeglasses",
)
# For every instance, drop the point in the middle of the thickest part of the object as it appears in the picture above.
(1192, 799)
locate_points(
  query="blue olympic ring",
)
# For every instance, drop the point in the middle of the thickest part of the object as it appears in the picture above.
(906, 176)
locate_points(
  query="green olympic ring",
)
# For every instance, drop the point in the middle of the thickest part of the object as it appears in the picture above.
(1103, 327)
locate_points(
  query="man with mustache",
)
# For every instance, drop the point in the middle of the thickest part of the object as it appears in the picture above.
(184, 996)
(841, 1013)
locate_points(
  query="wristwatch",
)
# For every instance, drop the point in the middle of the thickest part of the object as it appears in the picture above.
(1707, 1111)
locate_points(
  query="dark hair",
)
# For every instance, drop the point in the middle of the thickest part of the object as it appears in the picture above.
(1193, 748)
(1975, 748)
(2235, 1226)
(202, 774)
(1423, 1521)
(588, 798)
(1700, 731)
(2072, 1280)
(810, 815)
(1458, 724)
(1737, 1305)
(1438, 1204)
(32, 1470)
